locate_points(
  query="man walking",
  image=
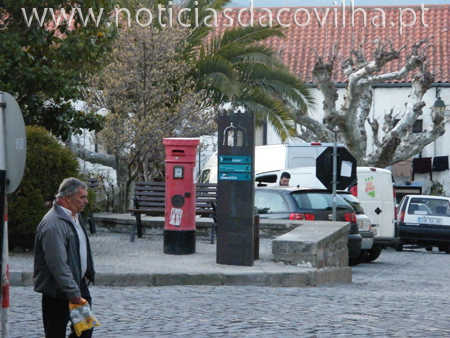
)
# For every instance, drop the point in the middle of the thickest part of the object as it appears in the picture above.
(63, 265)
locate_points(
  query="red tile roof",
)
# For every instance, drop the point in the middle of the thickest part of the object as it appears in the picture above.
(297, 53)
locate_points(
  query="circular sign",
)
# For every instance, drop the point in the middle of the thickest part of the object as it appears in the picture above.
(15, 142)
(177, 201)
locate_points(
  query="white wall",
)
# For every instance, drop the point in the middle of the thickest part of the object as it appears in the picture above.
(384, 99)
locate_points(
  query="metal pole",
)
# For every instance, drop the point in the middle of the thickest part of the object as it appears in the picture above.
(3, 226)
(334, 173)
(5, 258)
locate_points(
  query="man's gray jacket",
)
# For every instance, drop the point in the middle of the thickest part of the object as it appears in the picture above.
(57, 266)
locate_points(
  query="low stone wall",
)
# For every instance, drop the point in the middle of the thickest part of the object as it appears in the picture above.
(155, 225)
(321, 244)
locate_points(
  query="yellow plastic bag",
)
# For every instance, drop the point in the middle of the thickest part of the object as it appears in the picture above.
(82, 317)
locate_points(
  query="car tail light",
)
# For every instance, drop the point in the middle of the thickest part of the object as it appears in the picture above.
(402, 216)
(354, 190)
(295, 216)
(309, 217)
(350, 217)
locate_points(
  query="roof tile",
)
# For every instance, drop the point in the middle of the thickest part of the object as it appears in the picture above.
(297, 49)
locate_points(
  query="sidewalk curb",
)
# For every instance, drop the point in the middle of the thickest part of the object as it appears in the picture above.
(307, 277)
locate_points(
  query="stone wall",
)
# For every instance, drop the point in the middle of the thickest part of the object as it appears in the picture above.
(155, 225)
(320, 244)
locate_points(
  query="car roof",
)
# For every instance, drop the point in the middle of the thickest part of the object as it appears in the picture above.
(290, 188)
(429, 197)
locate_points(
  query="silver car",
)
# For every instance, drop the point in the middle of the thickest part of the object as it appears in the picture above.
(364, 225)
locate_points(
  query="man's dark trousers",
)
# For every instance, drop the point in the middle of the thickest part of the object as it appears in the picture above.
(55, 313)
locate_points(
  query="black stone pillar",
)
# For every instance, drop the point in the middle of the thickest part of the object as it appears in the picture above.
(235, 188)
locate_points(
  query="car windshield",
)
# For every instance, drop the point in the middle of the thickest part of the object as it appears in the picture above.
(425, 206)
(318, 200)
(353, 201)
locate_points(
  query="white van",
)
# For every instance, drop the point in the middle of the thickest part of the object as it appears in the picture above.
(375, 191)
(273, 157)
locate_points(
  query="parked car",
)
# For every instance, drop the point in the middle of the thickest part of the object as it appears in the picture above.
(375, 191)
(364, 225)
(307, 204)
(424, 220)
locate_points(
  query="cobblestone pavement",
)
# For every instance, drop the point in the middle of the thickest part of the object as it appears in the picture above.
(402, 294)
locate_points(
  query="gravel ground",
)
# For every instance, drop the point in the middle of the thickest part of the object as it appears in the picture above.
(113, 252)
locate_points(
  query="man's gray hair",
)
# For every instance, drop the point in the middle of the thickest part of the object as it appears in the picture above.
(69, 186)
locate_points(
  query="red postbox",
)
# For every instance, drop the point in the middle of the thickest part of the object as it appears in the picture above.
(179, 225)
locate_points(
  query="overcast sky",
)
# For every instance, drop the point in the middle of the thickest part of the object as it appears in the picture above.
(329, 3)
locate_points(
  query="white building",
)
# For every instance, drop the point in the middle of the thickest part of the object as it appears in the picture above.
(314, 31)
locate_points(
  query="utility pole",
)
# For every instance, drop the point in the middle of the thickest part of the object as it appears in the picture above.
(335, 155)
(12, 165)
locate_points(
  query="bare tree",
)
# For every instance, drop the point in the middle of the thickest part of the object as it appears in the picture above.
(148, 98)
(398, 142)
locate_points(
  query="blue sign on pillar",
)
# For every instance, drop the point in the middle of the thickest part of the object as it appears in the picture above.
(235, 188)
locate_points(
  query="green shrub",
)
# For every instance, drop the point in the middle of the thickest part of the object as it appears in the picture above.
(48, 163)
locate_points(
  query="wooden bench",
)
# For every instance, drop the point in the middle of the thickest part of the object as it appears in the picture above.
(150, 199)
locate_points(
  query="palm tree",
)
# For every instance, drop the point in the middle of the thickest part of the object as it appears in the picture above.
(238, 68)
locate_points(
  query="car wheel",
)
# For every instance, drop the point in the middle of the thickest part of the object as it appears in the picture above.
(361, 257)
(373, 253)
(445, 248)
(358, 259)
(398, 247)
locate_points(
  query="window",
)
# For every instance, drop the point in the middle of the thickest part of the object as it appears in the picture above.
(424, 206)
(269, 203)
(417, 127)
(204, 178)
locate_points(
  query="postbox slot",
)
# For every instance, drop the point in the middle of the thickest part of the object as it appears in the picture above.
(177, 151)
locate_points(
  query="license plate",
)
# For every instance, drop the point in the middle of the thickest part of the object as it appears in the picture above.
(429, 220)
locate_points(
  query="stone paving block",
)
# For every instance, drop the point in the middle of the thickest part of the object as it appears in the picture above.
(124, 279)
(254, 279)
(15, 278)
(188, 279)
(334, 275)
(288, 279)
(27, 279)
(21, 278)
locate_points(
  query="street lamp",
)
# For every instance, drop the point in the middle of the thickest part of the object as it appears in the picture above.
(439, 105)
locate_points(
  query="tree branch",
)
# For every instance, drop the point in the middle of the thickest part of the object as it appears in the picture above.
(93, 157)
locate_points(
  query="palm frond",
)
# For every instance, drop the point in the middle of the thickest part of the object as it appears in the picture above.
(249, 35)
(253, 53)
(217, 75)
(267, 107)
(280, 82)
(201, 28)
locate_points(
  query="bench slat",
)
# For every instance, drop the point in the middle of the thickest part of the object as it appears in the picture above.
(150, 198)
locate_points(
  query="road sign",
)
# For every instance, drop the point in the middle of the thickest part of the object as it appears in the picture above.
(15, 142)
(346, 168)
(235, 177)
(235, 159)
(235, 168)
